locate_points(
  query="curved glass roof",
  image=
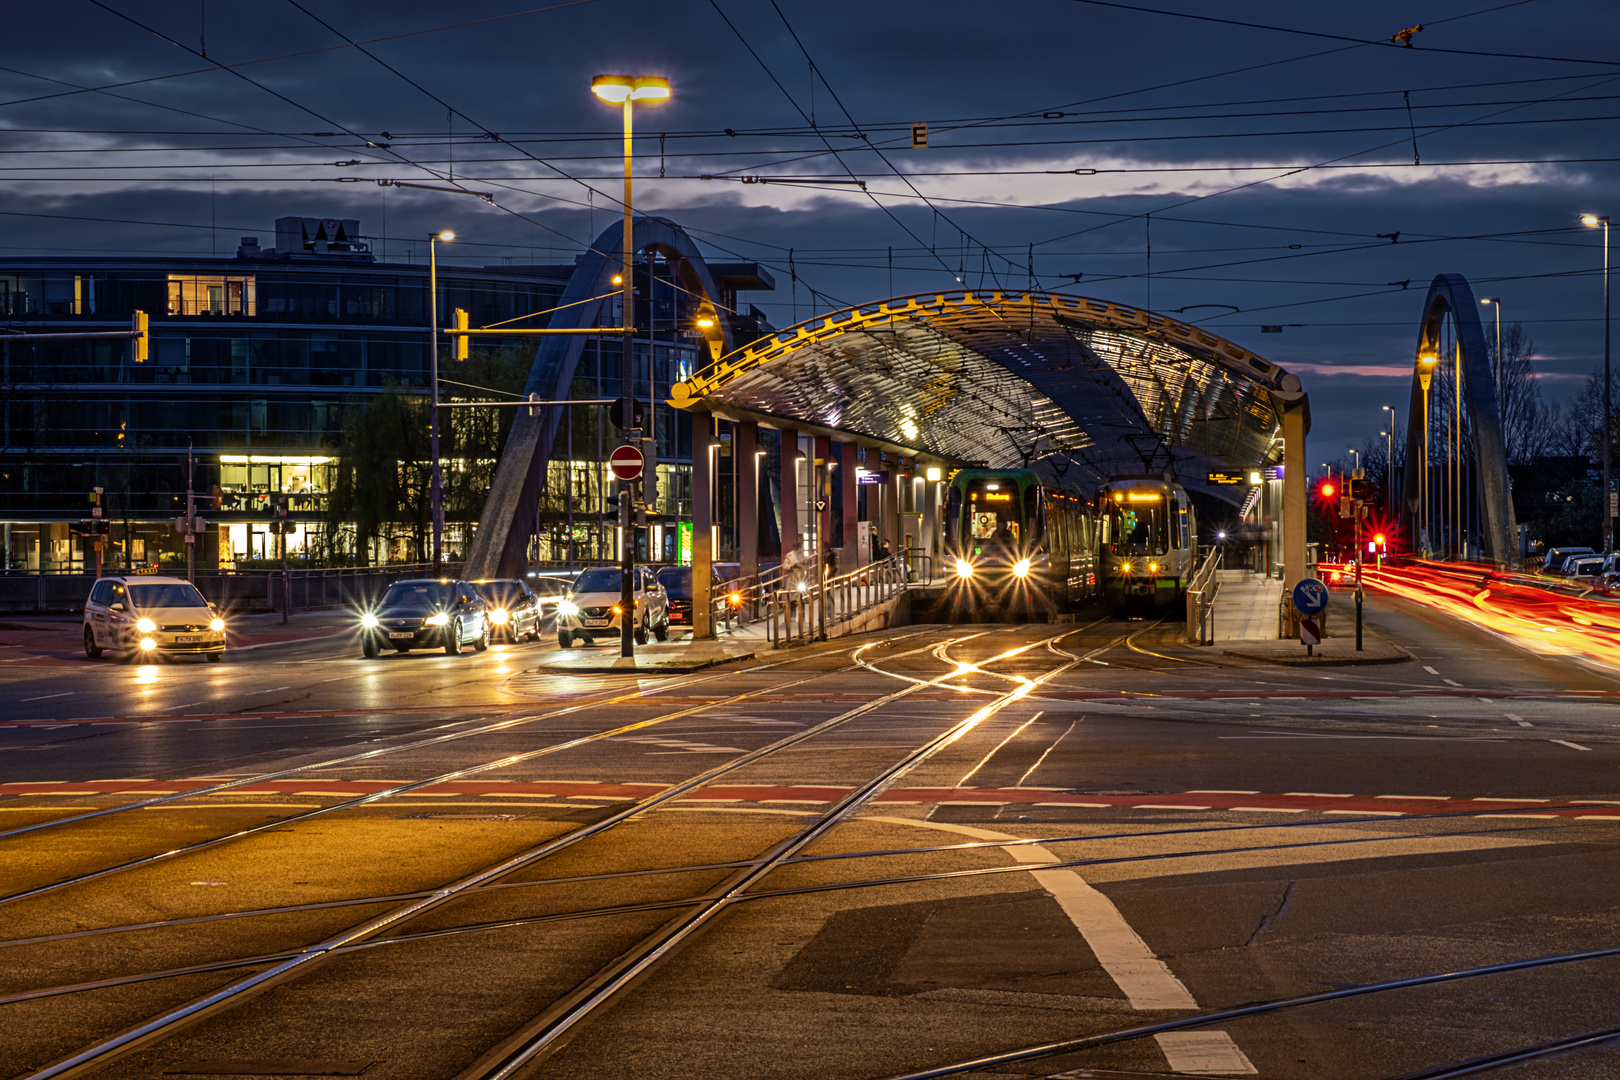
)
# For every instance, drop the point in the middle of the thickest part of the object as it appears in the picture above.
(1004, 379)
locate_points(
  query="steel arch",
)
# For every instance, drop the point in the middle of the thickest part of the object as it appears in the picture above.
(1451, 293)
(500, 546)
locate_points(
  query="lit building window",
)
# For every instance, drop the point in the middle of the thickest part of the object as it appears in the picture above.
(205, 294)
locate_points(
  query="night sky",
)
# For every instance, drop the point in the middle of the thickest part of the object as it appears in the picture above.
(1267, 166)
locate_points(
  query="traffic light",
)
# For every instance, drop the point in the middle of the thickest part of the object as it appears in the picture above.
(140, 345)
(627, 413)
(1347, 506)
(461, 338)
(1327, 489)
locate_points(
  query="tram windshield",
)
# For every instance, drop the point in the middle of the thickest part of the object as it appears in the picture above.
(993, 516)
(1136, 525)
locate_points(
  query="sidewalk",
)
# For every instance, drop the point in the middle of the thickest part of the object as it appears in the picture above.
(1246, 627)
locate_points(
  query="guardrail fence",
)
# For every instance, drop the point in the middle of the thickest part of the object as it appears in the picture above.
(1201, 592)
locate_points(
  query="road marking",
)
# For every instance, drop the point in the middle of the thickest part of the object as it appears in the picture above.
(1450, 682)
(1263, 810)
(1488, 798)
(1220, 791)
(1368, 813)
(270, 691)
(1204, 1053)
(1430, 670)
(1517, 719)
(1571, 745)
(1042, 758)
(1315, 795)
(1437, 798)
(1167, 806)
(47, 697)
(1146, 980)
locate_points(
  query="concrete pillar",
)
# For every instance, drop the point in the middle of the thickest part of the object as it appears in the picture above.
(703, 443)
(1293, 500)
(744, 453)
(790, 490)
(892, 513)
(823, 475)
(851, 494)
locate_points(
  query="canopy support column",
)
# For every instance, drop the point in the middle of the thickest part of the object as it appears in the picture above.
(702, 524)
(744, 450)
(851, 495)
(789, 467)
(1293, 485)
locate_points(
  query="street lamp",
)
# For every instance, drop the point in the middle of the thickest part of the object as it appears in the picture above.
(1428, 356)
(1389, 461)
(1496, 302)
(1592, 221)
(626, 90)
(437, 484)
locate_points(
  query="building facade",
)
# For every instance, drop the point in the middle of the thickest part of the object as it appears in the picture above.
(262, 387)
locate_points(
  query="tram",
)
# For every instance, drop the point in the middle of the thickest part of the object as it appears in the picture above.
(1015, 542)
(1147, 543)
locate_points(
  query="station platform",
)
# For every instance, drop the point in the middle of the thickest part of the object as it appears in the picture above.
(1245, 625)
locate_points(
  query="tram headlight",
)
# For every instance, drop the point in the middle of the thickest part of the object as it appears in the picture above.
(964, 569)
(1125, 568)
(1153, 568)
(1021, 568)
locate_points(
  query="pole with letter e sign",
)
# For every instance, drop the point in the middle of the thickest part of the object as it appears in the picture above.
(626, 463)
(1310, 600)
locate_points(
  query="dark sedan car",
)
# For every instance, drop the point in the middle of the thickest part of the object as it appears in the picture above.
(514, 609)
(677, 583)
(426, 613)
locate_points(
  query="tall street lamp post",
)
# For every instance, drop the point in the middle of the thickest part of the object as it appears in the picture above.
(626, 90)
(1592, 221)
(1389, 462)
(1496, 302)
(437, 483)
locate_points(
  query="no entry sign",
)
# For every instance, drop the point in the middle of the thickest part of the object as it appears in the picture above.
(626, 462)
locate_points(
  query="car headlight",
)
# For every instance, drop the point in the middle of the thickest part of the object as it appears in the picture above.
(964, 569)
(217, 625)
(145, 626)
(1021, 568)
(147, 644)
(499, 618)
(441, 619)
(369, 621)
(567, 607)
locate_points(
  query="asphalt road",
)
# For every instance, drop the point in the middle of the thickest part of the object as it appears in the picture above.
(1227, 833)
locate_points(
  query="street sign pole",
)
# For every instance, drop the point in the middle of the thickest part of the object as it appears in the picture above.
(626, 463)
(191, 512)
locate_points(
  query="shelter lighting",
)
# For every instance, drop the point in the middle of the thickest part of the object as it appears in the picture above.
(617, 89)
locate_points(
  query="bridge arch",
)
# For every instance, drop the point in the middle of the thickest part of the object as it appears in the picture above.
(499, 547)
(1451, 295)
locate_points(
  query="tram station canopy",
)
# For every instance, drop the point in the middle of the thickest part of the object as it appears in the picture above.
(1086, 389)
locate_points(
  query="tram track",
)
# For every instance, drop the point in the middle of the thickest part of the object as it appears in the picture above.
(142, 1034)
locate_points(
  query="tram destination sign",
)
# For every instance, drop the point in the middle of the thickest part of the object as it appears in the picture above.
(1228, 479)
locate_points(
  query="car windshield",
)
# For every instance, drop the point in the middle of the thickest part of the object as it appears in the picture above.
(423, 594)
(505, 593)
(167, 595)
(601, 579)
(677, 581)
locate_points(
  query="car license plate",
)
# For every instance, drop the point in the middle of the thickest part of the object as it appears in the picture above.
(676, 616)
(596, 622)
(187, 639)
(401, 634)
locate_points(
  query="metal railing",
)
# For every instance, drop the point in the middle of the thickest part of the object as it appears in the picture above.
(801, 610)
(1201, 592)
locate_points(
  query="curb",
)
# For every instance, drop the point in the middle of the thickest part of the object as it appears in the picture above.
(682, 668)
(1401, 656)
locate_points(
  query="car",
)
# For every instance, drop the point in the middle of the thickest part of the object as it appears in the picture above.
(677, 583)
(425, 613)
(592, 607)
(514, 609)
(551, 591)
(144, 616)
(1583, 568)
(1555, 557)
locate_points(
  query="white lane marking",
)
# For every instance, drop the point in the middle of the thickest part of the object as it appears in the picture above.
(1262, 810)
(1220, 791)
(1451, 682)
(272, 690)
(1435, 798)
(1517, 719)
(1317, 795)
(1571, 745)
(47, 697)
(1205, 1053)
(1167, 806)
(1430, 670)
(1369, 813)
(1145, 979)
(981, 762)
(1491, 798)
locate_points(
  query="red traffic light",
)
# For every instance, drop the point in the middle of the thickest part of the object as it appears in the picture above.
(1327, 490)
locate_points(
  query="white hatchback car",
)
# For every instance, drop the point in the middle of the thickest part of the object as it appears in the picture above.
(147, 617)
(592, 607)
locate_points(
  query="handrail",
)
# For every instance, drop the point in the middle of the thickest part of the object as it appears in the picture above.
(802, 610)
(1202, 589)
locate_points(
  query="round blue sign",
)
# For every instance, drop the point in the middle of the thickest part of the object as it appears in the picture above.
(1310, 597)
